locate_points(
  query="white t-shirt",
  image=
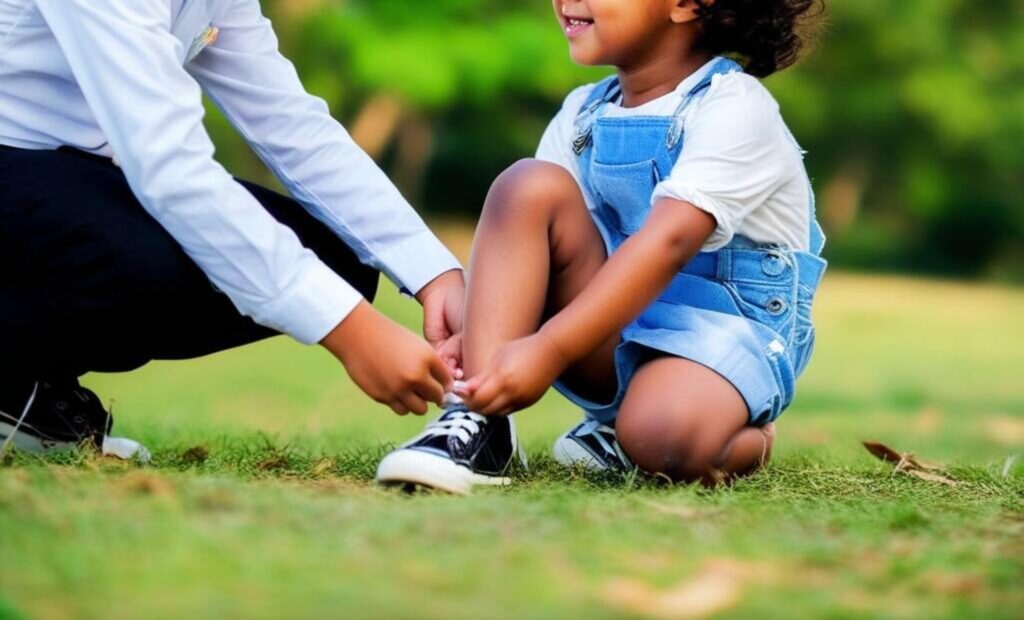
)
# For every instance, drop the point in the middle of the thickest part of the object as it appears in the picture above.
(739, 161)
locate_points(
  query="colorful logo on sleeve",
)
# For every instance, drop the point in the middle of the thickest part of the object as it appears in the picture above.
(205, 39)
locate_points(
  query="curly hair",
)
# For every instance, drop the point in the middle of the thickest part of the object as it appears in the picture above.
(767, 35)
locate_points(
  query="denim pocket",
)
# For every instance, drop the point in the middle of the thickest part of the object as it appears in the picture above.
(625, 191)
(803, 330)
(785, 380)
(802, 353)
(770, 304)
(804, 324)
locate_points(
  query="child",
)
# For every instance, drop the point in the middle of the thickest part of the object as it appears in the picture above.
(656, 262)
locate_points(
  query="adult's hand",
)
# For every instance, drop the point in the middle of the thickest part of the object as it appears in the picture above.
(443, 300)
(388, 362)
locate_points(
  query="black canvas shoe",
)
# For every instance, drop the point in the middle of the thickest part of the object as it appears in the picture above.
(592, 445)
(47, 416)
(457, 451)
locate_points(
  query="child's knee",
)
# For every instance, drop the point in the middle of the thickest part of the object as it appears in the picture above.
(529, 187)
(674, 445)
(657, 441)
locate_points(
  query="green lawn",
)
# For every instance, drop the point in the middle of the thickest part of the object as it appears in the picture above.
(260, 501)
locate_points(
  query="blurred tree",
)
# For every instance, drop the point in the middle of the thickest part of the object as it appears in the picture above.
(912, 112)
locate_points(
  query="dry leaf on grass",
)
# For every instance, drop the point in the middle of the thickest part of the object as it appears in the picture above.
(717, 586)
(907, 463)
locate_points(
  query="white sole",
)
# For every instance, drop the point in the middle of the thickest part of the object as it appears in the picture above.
(568, 453)
(407, 466)
(29, 443)
(120, 447)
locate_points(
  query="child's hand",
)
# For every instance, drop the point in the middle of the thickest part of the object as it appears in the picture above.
(518, 375)
(388, 362)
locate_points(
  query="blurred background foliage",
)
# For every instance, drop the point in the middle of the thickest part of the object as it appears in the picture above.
(912, 113)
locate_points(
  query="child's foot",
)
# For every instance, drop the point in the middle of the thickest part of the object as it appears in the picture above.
(457, 451)
(592, 445)
(49, 416)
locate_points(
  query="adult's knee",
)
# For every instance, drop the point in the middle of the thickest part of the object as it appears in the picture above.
(530, 188)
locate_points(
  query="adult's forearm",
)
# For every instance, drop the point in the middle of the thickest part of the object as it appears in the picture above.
(259, 90)
(125, 61)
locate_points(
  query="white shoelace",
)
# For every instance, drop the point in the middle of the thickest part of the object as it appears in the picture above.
(462, 424)
(456, 420)
(591, 427)
(17, 425)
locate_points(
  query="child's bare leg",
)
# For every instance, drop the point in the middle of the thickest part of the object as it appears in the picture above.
(686, 421)
(535, 249)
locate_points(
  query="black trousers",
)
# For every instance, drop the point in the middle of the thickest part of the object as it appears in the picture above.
(89, 281)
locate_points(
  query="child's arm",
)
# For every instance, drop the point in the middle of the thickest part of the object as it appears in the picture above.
(630, 281)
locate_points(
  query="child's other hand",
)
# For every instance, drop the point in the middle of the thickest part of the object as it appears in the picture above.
(388, 362)
(518, 375)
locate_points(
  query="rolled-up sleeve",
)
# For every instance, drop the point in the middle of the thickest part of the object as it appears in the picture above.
(259, 90)
(734, 155)
(128, 66)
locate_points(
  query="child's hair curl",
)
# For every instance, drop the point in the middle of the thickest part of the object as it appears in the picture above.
(767, 35)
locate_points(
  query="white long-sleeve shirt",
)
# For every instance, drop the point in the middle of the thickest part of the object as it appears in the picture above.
(123, 78)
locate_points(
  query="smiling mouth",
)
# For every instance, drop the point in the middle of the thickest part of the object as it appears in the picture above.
(575, 26)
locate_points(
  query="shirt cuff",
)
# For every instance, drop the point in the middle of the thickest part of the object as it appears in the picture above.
(724, 230)
(415, 262)
(313, 306)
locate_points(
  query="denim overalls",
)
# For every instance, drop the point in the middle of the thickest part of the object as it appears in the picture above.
(744, 310)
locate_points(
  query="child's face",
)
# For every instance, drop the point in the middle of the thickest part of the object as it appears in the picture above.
(618, 32)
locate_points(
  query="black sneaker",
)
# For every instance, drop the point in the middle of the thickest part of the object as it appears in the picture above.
(48, 416)
(457, 451)
(592, 445)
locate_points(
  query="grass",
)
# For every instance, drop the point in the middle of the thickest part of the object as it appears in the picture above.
(260, 501)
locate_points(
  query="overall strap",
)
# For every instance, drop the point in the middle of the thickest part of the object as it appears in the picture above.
(722, 66)
(604, 91)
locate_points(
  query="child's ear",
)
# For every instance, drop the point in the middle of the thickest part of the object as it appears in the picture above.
(685, 11)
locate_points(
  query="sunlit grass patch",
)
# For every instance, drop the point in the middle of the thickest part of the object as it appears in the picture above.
(260, 499)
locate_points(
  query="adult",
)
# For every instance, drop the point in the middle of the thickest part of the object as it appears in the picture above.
(122, 240)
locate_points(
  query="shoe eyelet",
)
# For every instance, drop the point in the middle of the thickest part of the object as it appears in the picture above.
(61, 405)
